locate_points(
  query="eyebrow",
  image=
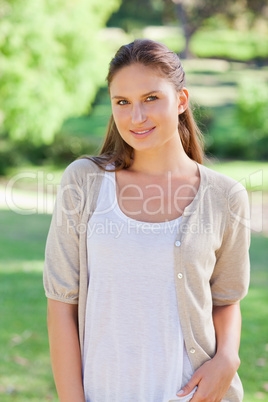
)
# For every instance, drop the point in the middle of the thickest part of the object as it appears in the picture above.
(143, 96)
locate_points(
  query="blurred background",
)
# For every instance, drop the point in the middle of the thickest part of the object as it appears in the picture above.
(54, 106)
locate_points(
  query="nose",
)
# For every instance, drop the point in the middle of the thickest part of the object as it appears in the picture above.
(138, 114)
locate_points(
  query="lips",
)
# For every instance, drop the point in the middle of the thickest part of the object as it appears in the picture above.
(142, 132)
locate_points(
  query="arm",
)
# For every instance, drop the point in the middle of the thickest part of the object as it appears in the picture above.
(227, 323)
(65, 350)
(214, 377)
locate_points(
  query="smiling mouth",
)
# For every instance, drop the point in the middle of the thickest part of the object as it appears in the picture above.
(142, 132)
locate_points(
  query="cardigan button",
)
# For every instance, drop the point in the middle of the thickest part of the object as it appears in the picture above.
(177, 243)
(180, 275)
(192, 350)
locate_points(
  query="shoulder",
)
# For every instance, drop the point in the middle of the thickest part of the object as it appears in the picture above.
(82, 166)
(81, 171)
(225, 188)
(220, 182)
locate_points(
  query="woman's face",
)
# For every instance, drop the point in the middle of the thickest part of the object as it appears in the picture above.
(145, 107)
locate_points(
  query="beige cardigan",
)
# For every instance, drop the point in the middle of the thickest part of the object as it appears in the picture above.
(210, 254)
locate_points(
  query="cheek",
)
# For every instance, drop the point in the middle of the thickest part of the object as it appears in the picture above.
(121, 122)
(168, 112)
(120, 116)
(171, 118)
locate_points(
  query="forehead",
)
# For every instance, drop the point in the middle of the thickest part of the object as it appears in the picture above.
(138, 78)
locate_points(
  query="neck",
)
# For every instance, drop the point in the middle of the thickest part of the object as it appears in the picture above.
(159, 162)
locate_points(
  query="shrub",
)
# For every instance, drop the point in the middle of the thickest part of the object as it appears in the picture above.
(251, 112)
(52, 63)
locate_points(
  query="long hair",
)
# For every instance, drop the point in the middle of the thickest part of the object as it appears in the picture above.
(156, 55)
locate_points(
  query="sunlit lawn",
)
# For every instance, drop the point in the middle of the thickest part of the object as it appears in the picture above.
(252, 174)
(25, 372)
(233, 44)
(25, 368)
(254, 343)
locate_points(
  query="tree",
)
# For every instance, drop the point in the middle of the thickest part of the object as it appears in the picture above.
(137, 14)
(192, 13)
(52, 62)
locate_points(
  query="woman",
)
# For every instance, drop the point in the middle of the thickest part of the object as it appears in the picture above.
(147, 253)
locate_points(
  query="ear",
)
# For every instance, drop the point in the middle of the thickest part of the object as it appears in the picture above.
(183, 98)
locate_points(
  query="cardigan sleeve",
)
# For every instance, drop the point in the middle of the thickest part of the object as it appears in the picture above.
(230, 278)
(61, 269)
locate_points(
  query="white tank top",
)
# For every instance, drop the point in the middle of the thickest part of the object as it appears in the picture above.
(134, 349)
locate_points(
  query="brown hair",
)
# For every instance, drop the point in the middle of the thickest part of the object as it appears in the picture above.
(156, 55)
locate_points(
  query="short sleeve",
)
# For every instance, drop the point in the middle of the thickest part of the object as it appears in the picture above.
(230, 278)
(61, 269)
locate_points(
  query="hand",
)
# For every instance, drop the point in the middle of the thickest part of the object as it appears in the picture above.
(213, 379)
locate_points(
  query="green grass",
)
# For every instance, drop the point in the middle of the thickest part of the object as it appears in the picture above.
(252, 174)
(210, 42)
(253, 350)
(231, 44)
(25, 373)
(172, 37)
(254, 342)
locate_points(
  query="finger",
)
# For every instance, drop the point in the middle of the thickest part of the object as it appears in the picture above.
(194, 381)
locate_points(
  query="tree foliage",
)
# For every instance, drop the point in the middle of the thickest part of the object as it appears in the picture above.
(252, 106)
(192, 13)
(52, 61)
(137, 14)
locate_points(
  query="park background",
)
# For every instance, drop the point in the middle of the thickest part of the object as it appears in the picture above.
(54, 106)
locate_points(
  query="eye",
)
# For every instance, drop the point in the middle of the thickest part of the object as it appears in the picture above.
(122, 102)
(151, 98)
